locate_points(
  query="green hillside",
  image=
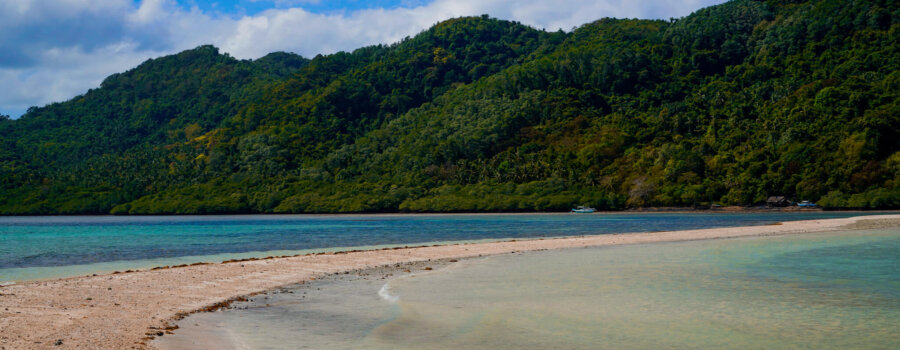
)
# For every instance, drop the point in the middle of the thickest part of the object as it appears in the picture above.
(729, 105)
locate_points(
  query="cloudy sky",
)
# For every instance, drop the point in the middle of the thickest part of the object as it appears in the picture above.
(52, 50)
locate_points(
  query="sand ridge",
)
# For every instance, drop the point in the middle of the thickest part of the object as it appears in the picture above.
(126, 310)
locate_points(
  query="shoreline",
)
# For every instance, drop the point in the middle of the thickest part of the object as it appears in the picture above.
(38, 268)
(127, 310)
(188, 334)
(674, 210)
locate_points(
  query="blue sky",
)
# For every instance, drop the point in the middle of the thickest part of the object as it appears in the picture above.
(53, 50)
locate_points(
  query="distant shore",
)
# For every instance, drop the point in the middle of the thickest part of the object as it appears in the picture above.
(128, 310)
(702, 209)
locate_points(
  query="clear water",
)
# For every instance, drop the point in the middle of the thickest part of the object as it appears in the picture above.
(820, 291)
(43, 247)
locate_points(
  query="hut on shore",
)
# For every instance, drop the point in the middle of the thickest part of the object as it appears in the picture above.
(777, 201)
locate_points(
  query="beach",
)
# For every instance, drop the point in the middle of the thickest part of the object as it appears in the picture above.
(130, 309)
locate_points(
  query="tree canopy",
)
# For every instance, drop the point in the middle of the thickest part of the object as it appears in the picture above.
(731, 104)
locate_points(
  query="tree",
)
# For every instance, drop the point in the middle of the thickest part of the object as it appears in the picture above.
(731, 104)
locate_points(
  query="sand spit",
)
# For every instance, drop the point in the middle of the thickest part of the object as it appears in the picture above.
(127, 310)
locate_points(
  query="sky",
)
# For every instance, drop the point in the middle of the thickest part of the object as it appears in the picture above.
(53, 50)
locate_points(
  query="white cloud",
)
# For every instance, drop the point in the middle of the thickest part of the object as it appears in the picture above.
(64, 73)
(52, 50)
(152, 11)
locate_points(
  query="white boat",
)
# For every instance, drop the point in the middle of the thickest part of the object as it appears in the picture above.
(583, 210)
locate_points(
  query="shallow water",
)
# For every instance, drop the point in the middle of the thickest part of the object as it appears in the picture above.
(824, 290)
(45, 247)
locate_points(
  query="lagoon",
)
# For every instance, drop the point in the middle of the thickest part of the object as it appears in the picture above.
(61, 246)
(832, 290)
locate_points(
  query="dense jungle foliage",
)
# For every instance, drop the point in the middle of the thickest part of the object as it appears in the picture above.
(729, 105)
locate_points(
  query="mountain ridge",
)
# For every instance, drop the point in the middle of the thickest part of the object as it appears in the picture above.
(729, 105)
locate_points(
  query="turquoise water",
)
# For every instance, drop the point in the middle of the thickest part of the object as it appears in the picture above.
(43, 247)
(834, 290)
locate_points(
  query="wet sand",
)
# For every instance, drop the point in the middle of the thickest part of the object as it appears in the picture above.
(128, 310)
(337, 306)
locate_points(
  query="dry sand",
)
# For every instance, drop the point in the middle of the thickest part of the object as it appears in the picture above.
(126, 310)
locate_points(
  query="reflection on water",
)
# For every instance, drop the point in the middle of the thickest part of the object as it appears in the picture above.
(829, 290)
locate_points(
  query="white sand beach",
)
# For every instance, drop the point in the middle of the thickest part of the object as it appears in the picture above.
(127, 310)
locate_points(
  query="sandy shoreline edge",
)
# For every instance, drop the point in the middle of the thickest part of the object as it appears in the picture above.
(123, 311)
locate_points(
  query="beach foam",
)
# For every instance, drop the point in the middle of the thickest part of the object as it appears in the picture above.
(385, 294)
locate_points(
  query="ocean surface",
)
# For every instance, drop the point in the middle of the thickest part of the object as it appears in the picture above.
(835, 290)
(58, 246)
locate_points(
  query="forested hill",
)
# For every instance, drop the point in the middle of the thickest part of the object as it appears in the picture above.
(729, 105)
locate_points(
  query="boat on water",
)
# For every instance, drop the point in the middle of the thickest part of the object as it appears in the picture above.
(583, 210)
(806, 204)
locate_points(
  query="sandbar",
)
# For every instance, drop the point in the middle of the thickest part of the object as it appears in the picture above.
(127, 310)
